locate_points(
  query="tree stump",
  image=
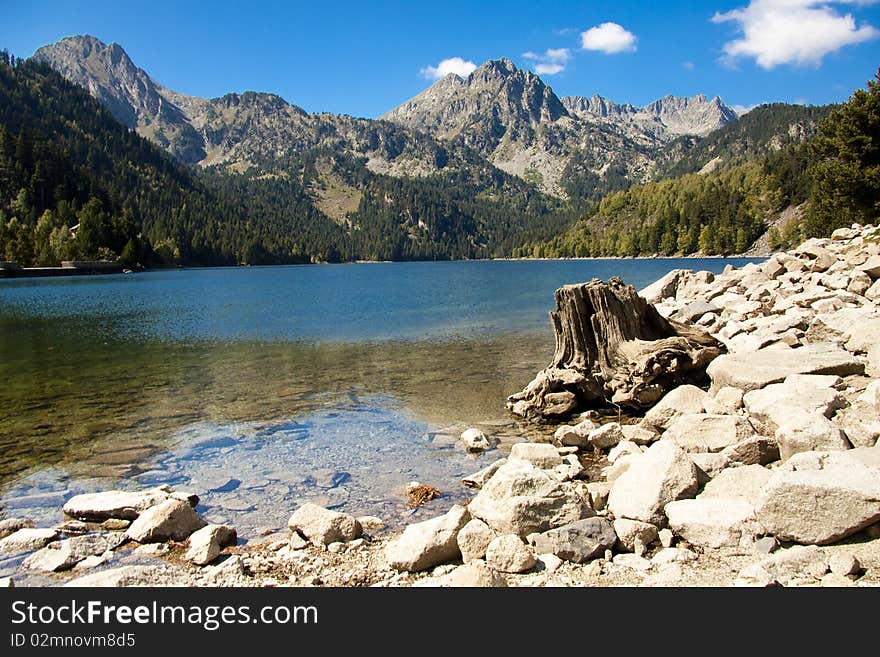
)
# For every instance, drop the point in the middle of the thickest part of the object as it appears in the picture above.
(612, 349)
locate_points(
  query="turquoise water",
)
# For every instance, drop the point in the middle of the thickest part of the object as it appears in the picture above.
(261, 388)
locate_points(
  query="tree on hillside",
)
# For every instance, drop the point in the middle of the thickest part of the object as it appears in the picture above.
(845, 167)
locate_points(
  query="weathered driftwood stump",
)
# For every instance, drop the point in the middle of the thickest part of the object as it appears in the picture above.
(612, 349)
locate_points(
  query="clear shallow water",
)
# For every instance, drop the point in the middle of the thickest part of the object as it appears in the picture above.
(261, 388)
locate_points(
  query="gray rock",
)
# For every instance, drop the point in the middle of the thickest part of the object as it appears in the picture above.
(578, 541)
(608, 435)
(809, 433)
(822, 497)
(426, 544)
(73, 527)
(478, 479)
(714, 521)
(27, 538)
(11, 525)
(844, 564)
(206, 543)
(171, 519)
(323, 526)
(475, 440)
(64, 555)
(521, 498)
(541, 455)
(629, 532)
(474, 539)
(678, 401)
(662, 474)
(751, 371)
(745, 482)
(187, 496)
(126, 505)
(757, 450)
(507, 553)
(701, 432)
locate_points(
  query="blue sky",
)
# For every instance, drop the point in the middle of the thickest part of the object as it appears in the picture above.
(363, 58)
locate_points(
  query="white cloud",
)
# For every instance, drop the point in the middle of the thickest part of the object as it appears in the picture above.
(609, 38)
(801, 32)
(455, 65)
(551, 61)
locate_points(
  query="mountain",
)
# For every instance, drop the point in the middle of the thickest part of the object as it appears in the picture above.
(515, 120)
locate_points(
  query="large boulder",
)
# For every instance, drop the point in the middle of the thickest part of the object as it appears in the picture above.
(822, 497)
(701, 432)
(521, 498)
(323, 526)
(809, 433)
(27, 538)
(796, 396)
(206, 543)
(662, 474)
(578, 541)
(126, 505)
(754, 370)
(429, 543)
(713, 521)
(679, 401)
(745, 482)
(172, 519)
(64, 555)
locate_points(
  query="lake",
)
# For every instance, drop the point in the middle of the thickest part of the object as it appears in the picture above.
(262, 388)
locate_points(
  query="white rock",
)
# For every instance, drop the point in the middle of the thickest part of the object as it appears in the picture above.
(623, 447)
(756, 450)
(667, 538)
(608, 435)
(323, 526)
(575, 436)
(795, 397)
(871, 396)
(630, 531)
(713, 522)
(701, 432)
(507, 553)
(598, 491)
(632, 561)
(808, 433)
(114, 504)
(475, 440)
(371, 524)
(171, 519)
(729, 398)
(709, 464)
(123, 576)
(678, 401)
(662, 474)
(64, 555)
(206, 544)
(673, 555)
(27, 538)
(521, 498)
(639, 435)
(429, 543)
(11, 525)
(785, 566)
(474, 539)
(541, 455)
(474, 574)
(844, 564)
(822, 497)
(745, 482)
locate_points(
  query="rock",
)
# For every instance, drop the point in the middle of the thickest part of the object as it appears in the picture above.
(6, 583)
(370, 524)
(808, 433)
(709, 464)
(474, 574)
(569, 469)
(521, 498)
(550, 562)
(171, 519)
(713, 522)
(118, 577)
(708, 433)
(757, 450)
(473, 539)
(871, 396)
(614, 471)
(115, 524)
(844, 564)
(663, 288)
(575, 435)
(507, 553)
(96, 507)
(428, 543)
(541, 455)
(323, 526)
(608, 435)
(27, 538)
(631, 531)
(73, 528)
(623, 447)
(729, 398)
(475, 440)
(599, 491)
(694, 310)
(822, 497)
(479, 478)
(785, 566)
(578, 541)
(297, 542)
(795, 397)
(151, 550)
(639, 435)
(11, 525)
(206, 544)
(64, 555)
(231, 567)
(766, 545)
(673, 555)
(871, 267)
(678, 401)
(187, 496)
(859, 283)
(666, 537)
(662, 474)
(745, 482)
(751, 371)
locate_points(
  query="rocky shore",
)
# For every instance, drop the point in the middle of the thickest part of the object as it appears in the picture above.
(768, 475)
